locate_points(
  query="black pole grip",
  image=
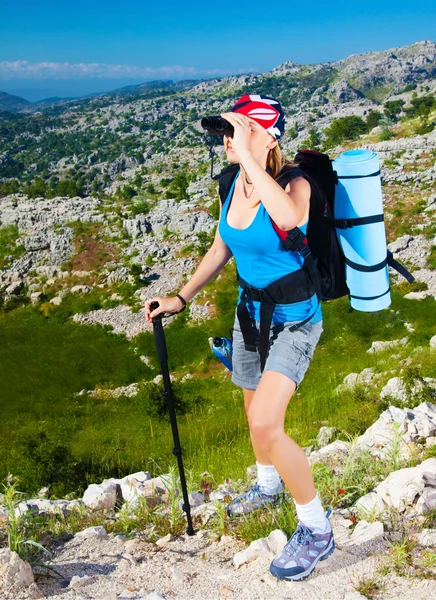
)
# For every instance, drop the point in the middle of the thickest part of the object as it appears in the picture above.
(159, 336)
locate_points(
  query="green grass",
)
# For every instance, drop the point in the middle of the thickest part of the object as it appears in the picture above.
(8, 248)
(49, 436)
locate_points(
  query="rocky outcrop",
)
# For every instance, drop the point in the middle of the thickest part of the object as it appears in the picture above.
(412, 489)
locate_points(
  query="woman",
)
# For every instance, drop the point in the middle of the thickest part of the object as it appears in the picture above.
(245, 231)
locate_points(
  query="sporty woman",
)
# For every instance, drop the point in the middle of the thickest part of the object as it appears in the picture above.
(245, 232)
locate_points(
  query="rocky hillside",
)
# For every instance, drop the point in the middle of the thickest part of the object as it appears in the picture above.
(116, 188)
(95, 142)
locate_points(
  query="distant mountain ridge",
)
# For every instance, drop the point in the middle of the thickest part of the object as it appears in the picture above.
(371, 74)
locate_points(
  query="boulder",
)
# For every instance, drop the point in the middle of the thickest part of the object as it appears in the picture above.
(411, 426)
(337, 448)
(15, 574)
(410, 489)
(364, 532)
(100, 496)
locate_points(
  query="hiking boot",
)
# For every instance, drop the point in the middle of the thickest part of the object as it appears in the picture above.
(253, 500)
(302, 552)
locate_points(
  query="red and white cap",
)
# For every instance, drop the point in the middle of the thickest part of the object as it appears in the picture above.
(264, 110)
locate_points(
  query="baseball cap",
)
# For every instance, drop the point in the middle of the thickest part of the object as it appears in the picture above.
(264, 110)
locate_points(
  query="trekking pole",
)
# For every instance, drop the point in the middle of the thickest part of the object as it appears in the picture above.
(167, 393)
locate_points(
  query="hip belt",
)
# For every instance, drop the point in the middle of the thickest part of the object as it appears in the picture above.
(292, 287)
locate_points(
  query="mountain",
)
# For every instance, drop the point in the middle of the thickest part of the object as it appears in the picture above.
(13, 103)
(93, 140)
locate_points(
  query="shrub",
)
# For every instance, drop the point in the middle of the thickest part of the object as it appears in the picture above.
(344, 129)
(42, 458)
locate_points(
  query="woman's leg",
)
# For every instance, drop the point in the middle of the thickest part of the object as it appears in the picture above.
(266, 417)
(259, 452)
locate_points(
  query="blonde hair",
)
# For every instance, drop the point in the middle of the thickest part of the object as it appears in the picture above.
(276, 161)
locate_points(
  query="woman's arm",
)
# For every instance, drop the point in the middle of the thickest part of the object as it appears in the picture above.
(213, 261)
(287, 209)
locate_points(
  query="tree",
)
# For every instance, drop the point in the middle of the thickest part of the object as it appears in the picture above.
(313, 139)
(38, 188)
(393, 108)
(372, 119)
(343, 129)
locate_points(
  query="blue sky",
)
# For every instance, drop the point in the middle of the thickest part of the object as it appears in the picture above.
(80, 47)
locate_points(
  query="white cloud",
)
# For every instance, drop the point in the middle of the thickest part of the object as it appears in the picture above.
(24, 69)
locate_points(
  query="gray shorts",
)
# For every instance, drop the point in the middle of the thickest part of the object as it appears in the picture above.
(290, 353)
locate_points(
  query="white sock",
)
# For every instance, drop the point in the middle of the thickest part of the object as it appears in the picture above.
(268, 479)
(313, 516)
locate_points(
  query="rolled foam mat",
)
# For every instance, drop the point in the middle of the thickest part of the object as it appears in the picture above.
(359, 194)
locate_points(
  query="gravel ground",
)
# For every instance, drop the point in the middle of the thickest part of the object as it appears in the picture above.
(199, 567)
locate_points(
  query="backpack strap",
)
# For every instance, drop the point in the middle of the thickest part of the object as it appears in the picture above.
(348, 223)
(225, 181)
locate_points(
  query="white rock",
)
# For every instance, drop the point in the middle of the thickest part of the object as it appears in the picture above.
(395, 388)
(36, 297)
(195, 499)
(379, 437)
(337, 447)
(165, 540)
(277, 541)
(433, 342)
(325, 435)
(98, 532)
(370, 505)
(427, 501)
(15, 574)
(204, 512)
(100, 496)
(416, 295)
(389, 345)
(81, 289)
(257, 548)
(427, 537)
(413, 488)
(365, 532)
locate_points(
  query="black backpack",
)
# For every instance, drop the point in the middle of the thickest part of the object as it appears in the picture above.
(320, 249)
(324, 260)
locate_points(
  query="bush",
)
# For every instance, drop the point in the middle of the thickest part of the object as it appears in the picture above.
(372, 119)
(42, 459)
(38, 188)
(392, 109)
(344, 129)
(9, 188)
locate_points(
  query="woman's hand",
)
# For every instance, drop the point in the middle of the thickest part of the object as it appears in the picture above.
(168, 304)
(241, 136)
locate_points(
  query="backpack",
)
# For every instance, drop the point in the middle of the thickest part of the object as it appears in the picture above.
(320, 248)
(324, 260)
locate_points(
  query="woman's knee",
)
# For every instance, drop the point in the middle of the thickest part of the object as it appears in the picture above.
(263, 428)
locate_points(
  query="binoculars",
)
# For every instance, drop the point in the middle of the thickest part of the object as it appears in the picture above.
(217, 126)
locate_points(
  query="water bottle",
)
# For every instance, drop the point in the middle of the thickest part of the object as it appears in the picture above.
(222, 348)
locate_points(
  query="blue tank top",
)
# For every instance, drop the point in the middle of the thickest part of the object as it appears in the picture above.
(260, 259)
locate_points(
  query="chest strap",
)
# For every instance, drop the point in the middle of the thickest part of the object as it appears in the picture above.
(292, 287)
